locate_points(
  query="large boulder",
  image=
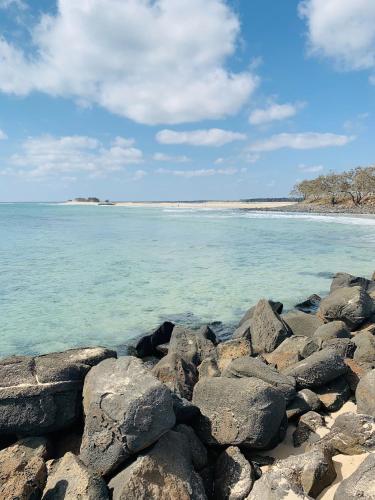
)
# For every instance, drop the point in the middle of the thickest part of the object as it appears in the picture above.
(70, 479)
(23, 471)
(332, 330)
(276, 306)
(197, 448)
(307, 474)
(318, 369)
(301, 323)
(361, 484)
(179, 375)
(234, 475)
(148, 345)
(292, 350)
(365, 394)
(267, 329)
(364, 354)
(126, 410)
(164, 472)
(352, 305)
(342, 280)
(232, 349)
(193, 345)
(245, 411)
(43, 394)
(253, 367)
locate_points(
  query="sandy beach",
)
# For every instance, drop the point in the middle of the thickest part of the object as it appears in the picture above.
(192, 204)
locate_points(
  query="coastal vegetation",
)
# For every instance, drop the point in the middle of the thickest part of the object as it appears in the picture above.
(356, 186)
(186, 414)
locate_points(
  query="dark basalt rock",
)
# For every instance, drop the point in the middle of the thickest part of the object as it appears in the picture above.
(361, 484)
(193, 345)
(352, 305)
(334, 395)
(126, 410)
(342, 280)
(310, 305)
(277, 307)
(365, 350)
(234, 475)
(291, 351)
(329, 331)
(301, 323)
(306, 428)
(148, 345)
(176, 373)
(304, 402)
(365, 394)
(246, 411)
(252, 367)
(44, 393)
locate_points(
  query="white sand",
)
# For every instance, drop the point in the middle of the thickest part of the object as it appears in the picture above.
(345, 465)
(202, 205)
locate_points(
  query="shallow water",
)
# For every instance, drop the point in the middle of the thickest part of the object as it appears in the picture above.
(82, 275)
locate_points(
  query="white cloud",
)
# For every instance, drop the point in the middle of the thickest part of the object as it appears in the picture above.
(275, 112)
(139, 175)
(306, 140)
(203, 172)
(210, 137)
(3, 135)
(49, 156)
(153, 61)
(310, 168)
(169, 158)
(341, 30)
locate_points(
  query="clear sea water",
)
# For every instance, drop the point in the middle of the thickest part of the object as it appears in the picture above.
(76, 275)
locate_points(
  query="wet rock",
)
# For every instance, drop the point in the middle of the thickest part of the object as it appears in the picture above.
(289, 352)
(304, 476)
(268, 330)
(361, 484)
(277, 307)
(70, 479)
(232, 349)
(209, 368)
(304, 402)
(307, 426)
(126, 410)
(198, 450)
(164, 472)
(234, 475)
(193, 345)
(351, 434)
(328, 331)
(352, 305)
(176, 373)
(365, 394)
(318, 369)
(23, 471)
(246, 411)
(342, 280)
(301, 323)
(148, 345)
(43, 394)
(253, 367)
(310, 305)
(334, 394)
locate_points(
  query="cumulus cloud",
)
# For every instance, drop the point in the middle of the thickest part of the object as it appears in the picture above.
(341, 30)
(153, 61)
(306, 140)
(3, 135)
(168, 158)
(203, 172)
(50, 156)
(210, 137)
(310, 168)
(274, 112)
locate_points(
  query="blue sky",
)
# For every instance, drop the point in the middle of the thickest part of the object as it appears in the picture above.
(182, 99)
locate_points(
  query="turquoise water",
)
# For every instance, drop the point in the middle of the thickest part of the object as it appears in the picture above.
(76, 275)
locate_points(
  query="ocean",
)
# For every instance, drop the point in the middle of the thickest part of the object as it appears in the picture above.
(82, 275)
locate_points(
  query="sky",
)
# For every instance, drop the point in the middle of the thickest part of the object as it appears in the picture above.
(182, 99)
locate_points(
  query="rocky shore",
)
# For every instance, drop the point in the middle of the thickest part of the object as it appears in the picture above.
(319, 208)
(187, 416)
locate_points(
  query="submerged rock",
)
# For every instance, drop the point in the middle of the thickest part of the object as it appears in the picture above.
(234, 475)
(126, 410)
(43, 394)
(246, 411)
(164, 472)
(70, 479)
